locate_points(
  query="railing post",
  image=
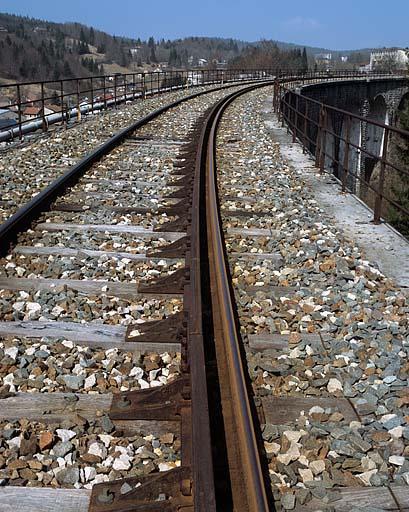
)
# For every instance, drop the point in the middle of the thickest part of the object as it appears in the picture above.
(143, 86)
(92, 94)
(105, 92)
(275, 97)
(379, 192)
(20, 131)
(324, 141)
(295, 118)
(133, 86)
(345, 165)
(78, 101)
(43, 108)
(319, 138)
(305, 131)
(115, 89)
(64, 119)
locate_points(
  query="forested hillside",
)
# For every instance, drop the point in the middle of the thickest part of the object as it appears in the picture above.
(32, 50)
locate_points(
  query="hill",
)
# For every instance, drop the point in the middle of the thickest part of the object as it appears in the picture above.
(34, 50)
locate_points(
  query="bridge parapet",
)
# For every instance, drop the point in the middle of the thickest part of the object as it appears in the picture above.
(352, 128)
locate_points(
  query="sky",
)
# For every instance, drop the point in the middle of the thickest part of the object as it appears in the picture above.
(336, 25)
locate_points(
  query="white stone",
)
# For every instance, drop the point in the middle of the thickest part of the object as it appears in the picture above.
(136, 372)
(65, 434)
(294, 353)
(89, 473)
(334, 385)
(19, 306)
(97, 449)
(33, 307)
(15, 441)
(100, 478)
(165, 466)
(122, 463)
(366, 477)
(90, 381)
(106, 439)
(292, 454)
(396, 432)
(11, 352)
(386, 417)
(333, 454)
(397, 460)
(143, 384)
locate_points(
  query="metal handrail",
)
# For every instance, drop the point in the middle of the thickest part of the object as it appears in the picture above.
(296, 110)
(103, 91)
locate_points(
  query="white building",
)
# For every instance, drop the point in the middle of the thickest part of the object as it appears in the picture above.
(389, 58)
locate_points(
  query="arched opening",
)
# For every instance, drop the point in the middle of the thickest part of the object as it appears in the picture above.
(374, 135)
(349, 155)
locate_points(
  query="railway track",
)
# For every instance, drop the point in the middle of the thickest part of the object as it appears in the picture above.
(176, 338)
(111, 395)
(325, 333)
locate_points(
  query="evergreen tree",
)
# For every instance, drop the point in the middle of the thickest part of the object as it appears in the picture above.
(304, 65)
(67, 73)
(152, 56)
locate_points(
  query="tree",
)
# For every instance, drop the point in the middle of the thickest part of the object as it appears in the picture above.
(387, 63)
(67, 73)
(152, 55)
(304, 65)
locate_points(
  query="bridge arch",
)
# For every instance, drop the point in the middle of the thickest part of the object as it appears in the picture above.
(374, 135)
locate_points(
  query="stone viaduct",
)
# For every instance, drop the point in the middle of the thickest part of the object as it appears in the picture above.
(377, 99)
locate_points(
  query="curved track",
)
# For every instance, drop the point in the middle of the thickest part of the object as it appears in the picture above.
(178, 308)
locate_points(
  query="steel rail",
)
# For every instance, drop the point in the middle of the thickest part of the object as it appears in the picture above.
(247, 480)
(25, 215)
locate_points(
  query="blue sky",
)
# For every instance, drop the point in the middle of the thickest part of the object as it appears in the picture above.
(345, 24)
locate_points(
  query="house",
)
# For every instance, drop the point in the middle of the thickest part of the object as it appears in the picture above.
(202, 63)
(36, 112)
(388, 59)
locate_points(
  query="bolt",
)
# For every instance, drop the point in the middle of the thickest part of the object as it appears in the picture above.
(106, 496)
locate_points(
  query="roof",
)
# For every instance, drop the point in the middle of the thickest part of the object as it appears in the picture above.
(54, 108)
(31, 111)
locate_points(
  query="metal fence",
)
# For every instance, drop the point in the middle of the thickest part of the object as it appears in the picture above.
(62, 100)
(36, 105)
(380, 179)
